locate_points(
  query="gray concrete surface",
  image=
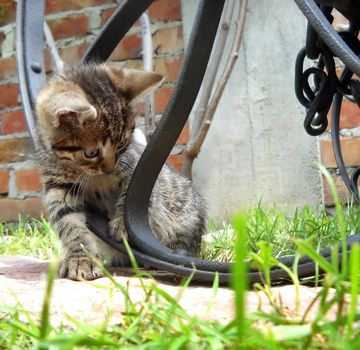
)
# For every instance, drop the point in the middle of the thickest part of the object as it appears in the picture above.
(257, 147)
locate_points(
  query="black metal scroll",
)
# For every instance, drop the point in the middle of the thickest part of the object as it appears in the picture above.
(324, 44)
(146, 248)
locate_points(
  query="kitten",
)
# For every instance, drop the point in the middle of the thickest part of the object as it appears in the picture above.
(87, 154)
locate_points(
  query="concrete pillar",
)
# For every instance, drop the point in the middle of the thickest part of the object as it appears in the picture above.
(257, 147)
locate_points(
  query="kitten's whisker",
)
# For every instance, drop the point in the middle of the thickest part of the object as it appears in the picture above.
(86, 184)
(79, 181)
(83, 189)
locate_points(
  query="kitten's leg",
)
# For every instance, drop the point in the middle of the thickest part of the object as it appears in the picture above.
(117, 224)
(78, 241)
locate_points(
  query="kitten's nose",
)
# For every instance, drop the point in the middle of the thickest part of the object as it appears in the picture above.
(107, 166)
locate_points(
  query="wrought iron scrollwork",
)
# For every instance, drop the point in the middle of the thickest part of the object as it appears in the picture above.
(146, 249)
(321, 86)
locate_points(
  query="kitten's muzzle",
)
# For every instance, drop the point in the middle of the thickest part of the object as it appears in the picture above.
(107, 166)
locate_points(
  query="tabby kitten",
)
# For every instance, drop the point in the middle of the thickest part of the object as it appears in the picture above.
(87, 154)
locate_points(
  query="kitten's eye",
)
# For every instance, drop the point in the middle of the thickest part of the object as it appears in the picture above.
(91, 152)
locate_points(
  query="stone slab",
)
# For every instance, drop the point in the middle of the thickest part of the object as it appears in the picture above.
(23, 280)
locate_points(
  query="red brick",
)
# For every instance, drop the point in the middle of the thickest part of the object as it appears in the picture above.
(7, 67)
(184, 135)
(10, 209)
(13, 122)
(169, 67)
(162, 96)
(349, 115)
(47, 61)
(9, 95)
(176, 161)
(134, 64)
(129, 47)
(72, 54)
(69, 26)
(168, 40)
(28, 180)
(342, 191)
(15, 150)
(350, 150)
(339, 19)
(106, 14)
(4, 181)
(7, 11)
(165, 10)
(65, 5)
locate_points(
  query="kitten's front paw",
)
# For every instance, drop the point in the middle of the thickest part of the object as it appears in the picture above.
(79, 268)
(117, 230)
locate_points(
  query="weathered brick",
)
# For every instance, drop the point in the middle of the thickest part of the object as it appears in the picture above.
(15, 150)
(106, 14)
(12, 122)
(165, 10)
(134, 64)
(349, 115)
(162, 96)
(28, 180)
(169, 67)
(176, 161)
(184, 135)
(66, 5)
(350, 151)
(72, 54)
(7, 67)
(10, 208)
(67, 27)
(7, 11)
(129, 47)
(9, 95)
(4, 181)
(47, 61)
(339, 19)
(168, 40)
(2, 37)
(342, 191)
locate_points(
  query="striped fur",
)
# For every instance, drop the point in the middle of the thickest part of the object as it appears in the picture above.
(87, 155)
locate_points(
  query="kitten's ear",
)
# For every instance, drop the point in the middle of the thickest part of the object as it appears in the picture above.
(74, 113)
(135, 82)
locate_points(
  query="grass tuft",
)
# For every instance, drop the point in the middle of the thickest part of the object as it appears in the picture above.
(160, 322)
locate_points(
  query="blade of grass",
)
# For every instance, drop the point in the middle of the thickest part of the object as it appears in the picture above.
(354, 288)
(239, 275)
(45, 313)
(306, 249)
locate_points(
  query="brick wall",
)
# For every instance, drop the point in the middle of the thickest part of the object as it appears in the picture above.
(350, 139)
(74, 24)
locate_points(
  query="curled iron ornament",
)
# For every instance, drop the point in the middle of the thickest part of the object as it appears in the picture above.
(147, 250)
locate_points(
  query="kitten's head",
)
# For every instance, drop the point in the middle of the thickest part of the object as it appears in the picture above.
(84, 116)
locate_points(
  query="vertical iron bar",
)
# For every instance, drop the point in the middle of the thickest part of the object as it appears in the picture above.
(30, 55)
(335, 138)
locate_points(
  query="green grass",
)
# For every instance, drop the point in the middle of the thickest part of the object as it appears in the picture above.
(281, 230)
(160, 322)
(35, 238)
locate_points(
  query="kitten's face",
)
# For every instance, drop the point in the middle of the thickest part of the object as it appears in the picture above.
(84, 118)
